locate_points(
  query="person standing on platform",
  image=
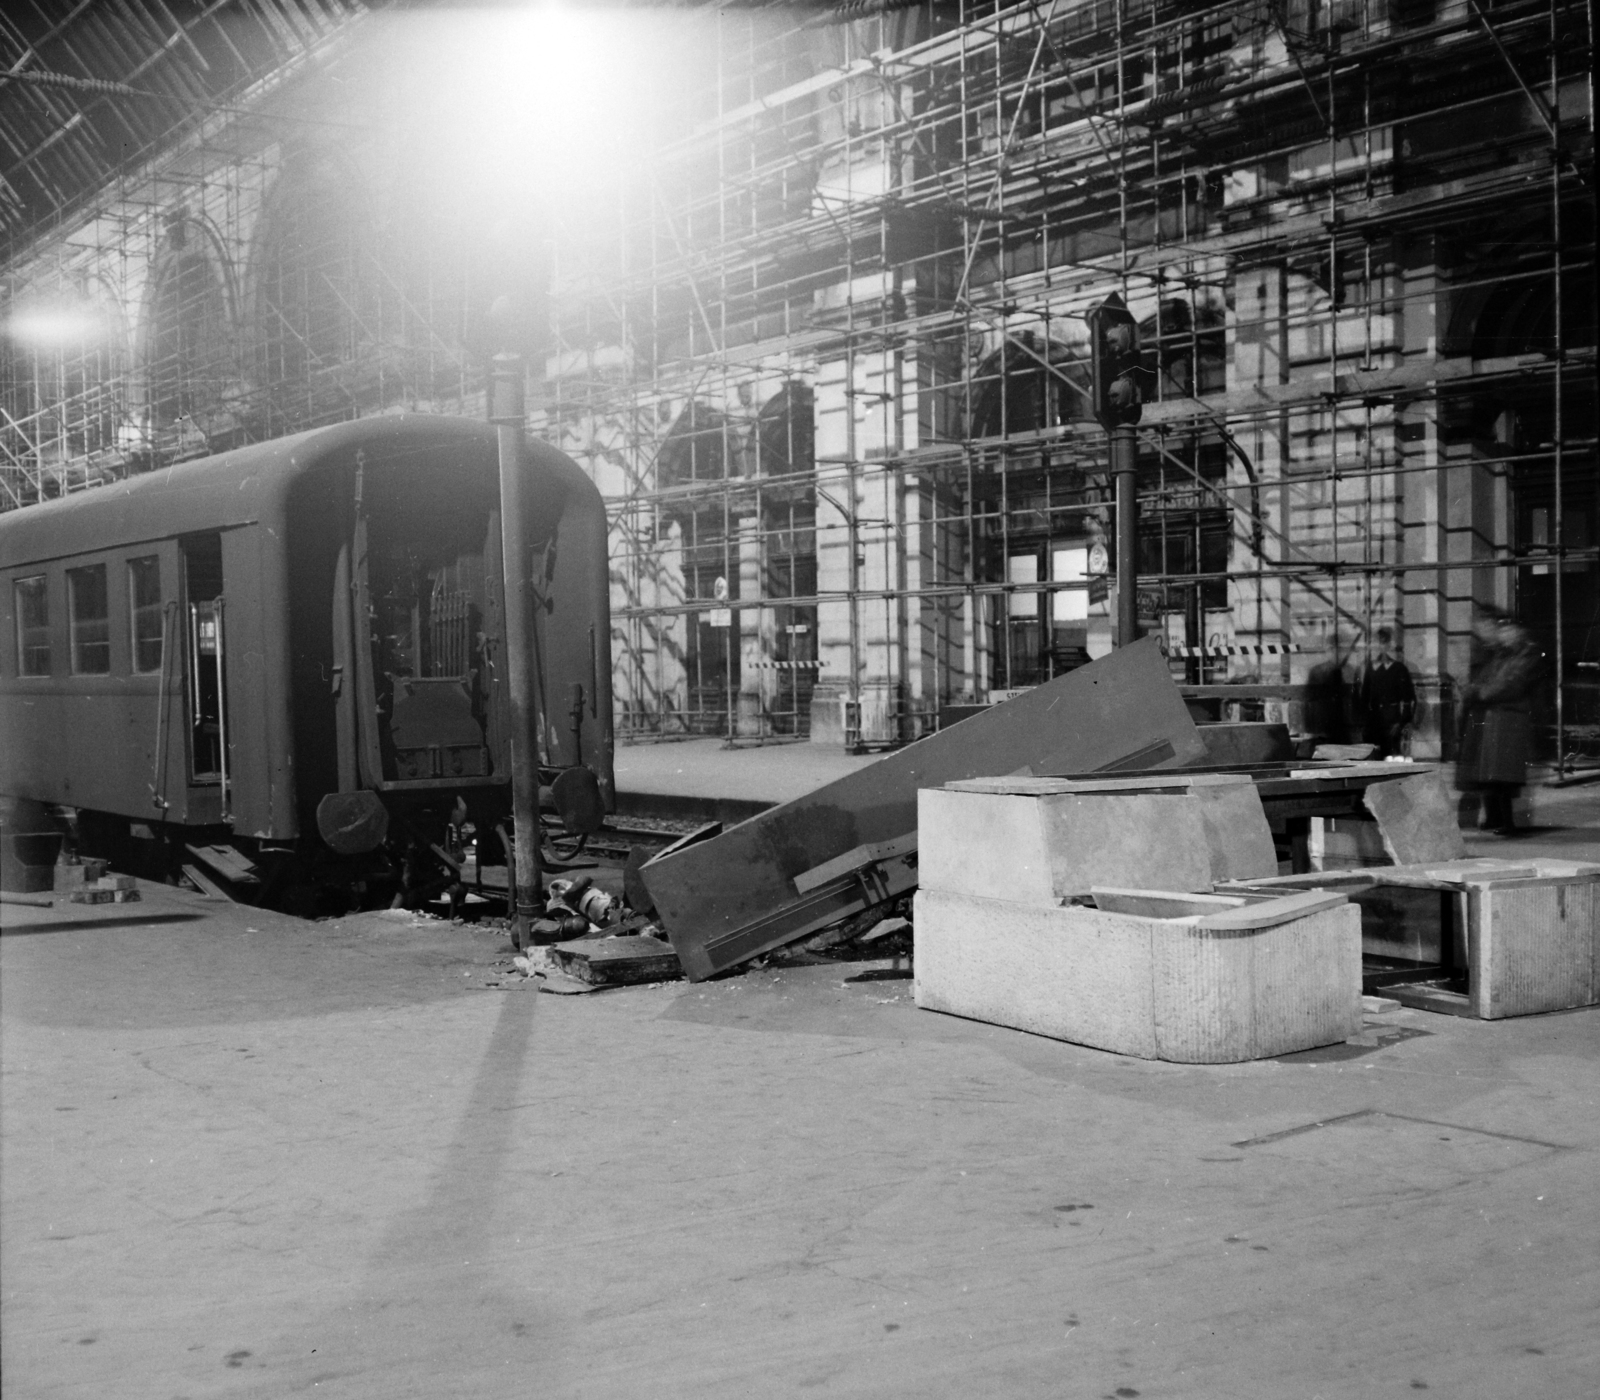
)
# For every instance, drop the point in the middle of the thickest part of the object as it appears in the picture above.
(1497, 717)
(1326, 713)
(1388, 699)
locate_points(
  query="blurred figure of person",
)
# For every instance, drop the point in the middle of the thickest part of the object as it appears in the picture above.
(1388, 699)
(1497, 717)
(1327, 713)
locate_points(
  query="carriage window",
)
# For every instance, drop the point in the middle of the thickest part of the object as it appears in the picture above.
(144, 603)
(33, 626)
(89, 621)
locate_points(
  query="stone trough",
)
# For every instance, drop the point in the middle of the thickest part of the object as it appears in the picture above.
(1061, 907)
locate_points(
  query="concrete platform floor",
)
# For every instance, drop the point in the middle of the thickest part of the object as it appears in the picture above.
(709, 771)
(249, 1156)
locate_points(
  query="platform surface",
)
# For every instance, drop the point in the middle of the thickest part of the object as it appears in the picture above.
(246, 1156)
(709, 770)
(700, 773)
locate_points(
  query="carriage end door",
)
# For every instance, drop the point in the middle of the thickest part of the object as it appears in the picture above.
(205, 644)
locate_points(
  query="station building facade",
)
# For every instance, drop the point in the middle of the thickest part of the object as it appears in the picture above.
(817, 331)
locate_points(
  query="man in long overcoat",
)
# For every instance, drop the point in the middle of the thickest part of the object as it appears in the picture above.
(1497, 717)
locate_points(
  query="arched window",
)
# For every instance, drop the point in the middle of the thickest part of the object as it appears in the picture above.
(1188, 346)
(1025, 387)
(188, 364)
(786, 438)
(787, 435)
(698, 448)
(311, 254)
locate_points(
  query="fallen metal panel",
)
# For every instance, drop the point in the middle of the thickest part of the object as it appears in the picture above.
(734, 897)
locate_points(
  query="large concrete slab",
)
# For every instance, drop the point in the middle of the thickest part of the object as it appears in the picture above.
(1416, 819)
(1043, 849)
(722, 901)
(1042, 840)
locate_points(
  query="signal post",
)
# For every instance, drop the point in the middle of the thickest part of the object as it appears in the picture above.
(506, 412)
(1114, 361)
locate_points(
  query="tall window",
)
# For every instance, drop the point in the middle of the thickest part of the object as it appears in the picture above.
(144, 605)
(89, 620)
(313, 310)
(189, 358)
(33, 626)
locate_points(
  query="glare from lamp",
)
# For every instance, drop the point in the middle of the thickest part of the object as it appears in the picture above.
(52, 327)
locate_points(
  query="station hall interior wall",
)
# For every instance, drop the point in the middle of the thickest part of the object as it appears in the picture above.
(823, 341)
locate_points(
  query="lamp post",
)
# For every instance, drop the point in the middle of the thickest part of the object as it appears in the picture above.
(506, 412)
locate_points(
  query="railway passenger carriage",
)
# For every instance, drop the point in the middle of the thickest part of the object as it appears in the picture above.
(299, 646)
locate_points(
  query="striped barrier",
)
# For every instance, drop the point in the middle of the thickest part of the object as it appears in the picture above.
(1267, 649)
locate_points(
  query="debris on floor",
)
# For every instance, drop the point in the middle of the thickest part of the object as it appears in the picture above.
(38, 901)
(803, 866)
(79, 875)
(107, 889)
(625, 960)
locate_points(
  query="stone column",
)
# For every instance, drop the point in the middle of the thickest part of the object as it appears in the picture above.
(836, 555)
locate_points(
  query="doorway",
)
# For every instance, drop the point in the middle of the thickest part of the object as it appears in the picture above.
(204, 660)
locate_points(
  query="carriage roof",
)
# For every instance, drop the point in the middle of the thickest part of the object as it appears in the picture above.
(234, 488)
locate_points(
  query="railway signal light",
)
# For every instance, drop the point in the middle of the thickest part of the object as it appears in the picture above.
(1114, 362)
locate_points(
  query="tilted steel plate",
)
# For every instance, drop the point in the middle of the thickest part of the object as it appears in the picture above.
(734, 897)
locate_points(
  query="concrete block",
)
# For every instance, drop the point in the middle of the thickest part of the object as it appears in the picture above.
(1238, 838)
(79, 875)
(1041, 840)
(1533, 945)
(1532, 928)
(1416, 819)
(27, 860)
(1188, 989)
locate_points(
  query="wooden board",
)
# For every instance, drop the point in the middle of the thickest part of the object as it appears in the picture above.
(228, 863)
(204, 883)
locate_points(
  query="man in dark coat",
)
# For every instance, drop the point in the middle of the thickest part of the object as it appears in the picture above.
(1388, 699)
(1326, 718)
(1497, 717)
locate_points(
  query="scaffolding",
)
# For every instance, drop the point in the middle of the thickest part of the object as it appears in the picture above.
(1359, 235)
(217, 302)
(227, 283)
(827, 360)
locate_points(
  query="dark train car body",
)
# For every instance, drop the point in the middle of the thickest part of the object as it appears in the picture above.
(225, 643)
